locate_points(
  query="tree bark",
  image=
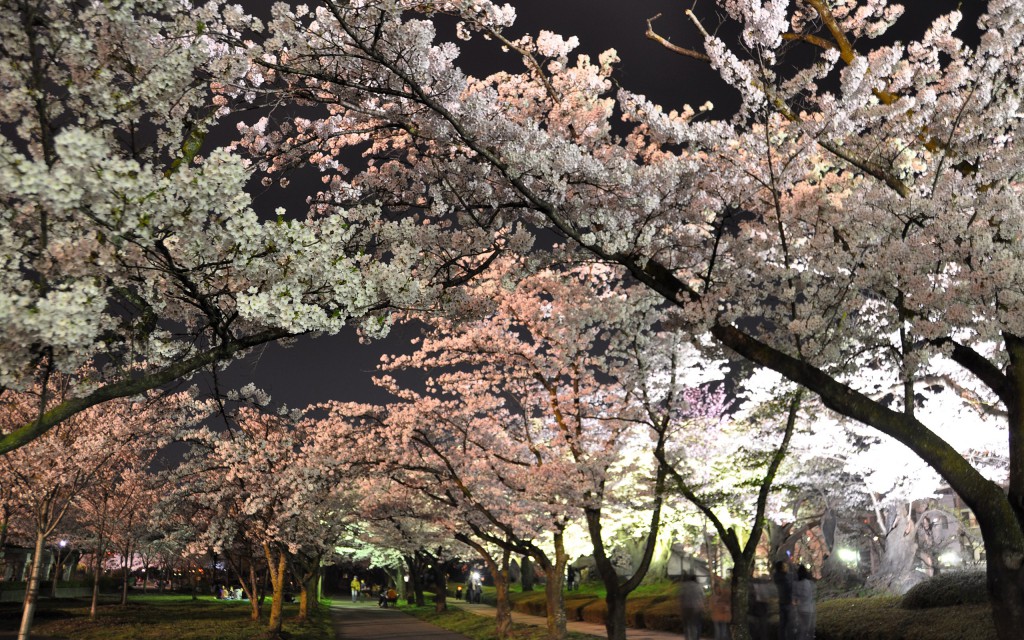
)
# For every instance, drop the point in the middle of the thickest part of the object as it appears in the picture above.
(413, 565)
(554, 597)
(276, 566)
(440, 586)
(32, 589)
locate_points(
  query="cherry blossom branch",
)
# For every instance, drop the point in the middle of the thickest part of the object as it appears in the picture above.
(651, 34)
(22, 435)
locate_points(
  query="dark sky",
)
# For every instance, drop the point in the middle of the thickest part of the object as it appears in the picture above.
(338, 367)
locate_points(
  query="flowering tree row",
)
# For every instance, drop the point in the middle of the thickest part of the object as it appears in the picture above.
(859, 211)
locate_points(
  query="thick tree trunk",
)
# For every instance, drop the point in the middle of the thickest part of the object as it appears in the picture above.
(554, 597)
(276, 566)
(1006, 589)
(32, 589)
(503, 606)
(741, 577)
(307, 593)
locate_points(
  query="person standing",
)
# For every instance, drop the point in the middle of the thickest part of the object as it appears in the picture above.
(355, 589)
(803, 594)
(691, 605)
(783, 580)
(721, 608)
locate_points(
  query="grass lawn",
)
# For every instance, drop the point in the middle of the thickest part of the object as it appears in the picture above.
(158, 617)
(654, 606)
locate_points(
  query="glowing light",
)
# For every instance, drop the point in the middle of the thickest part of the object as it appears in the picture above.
(849, 556)
(949, 558)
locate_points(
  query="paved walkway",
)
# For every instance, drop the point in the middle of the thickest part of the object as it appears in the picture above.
(588, 628)
(366, 621)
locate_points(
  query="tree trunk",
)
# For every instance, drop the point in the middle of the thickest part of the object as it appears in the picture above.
(307, 586)
(553, 594)
(503, 613)
(276, 567)
(500, 575)
(101, 547)
(249, 587)
(32, 589)
(413, 565)
(440, 587)
(126, 563)
(741, 585)
(97, 570)
(303, 601)
(896, 566)
(529, 575)
(1006, 590)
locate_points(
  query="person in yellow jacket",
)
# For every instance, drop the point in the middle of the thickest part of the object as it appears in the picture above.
(355, 589)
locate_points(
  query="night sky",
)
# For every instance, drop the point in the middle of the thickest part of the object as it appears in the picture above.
(337, 367)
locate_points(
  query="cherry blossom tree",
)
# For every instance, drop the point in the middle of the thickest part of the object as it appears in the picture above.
(51, 474)
(267, 485)
(861, 201)
(103, 192)
(560, 359)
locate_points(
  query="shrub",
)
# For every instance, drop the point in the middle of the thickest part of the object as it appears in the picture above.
(947, 590)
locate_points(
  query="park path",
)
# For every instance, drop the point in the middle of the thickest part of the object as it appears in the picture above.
(366, 621)
(588, 628)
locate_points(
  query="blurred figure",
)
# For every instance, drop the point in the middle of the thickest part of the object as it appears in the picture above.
(803, 595)
(721, 608)
(783, 580)
(355, 589)
(757, 608)
(691, 605)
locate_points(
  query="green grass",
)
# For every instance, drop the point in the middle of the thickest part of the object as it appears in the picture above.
(479, 627)
(654, 606)
(157, 617)
(881, 618)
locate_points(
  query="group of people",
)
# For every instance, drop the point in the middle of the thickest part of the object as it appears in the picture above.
(222, 592)
(796, 602)
(796, 599)
(357, 586)
(384, 597)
